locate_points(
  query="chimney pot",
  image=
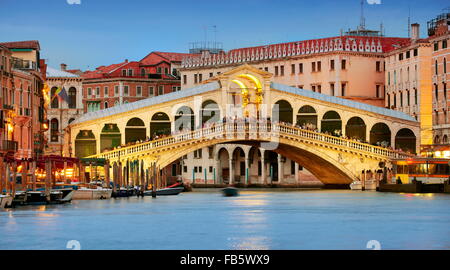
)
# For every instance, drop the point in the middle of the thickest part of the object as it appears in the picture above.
(415, 31)
(63, 67)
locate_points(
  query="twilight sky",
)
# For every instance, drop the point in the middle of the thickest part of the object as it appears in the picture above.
(102, 32)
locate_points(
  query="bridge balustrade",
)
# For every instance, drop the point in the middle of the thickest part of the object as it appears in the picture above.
(251, 130)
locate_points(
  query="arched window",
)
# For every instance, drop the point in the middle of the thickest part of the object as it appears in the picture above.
(54, 98)
(54, 130)
(72, 97)
(106, 105)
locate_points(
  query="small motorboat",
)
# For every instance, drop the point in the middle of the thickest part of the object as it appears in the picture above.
(92, 194)
(369, 185)
(230, 192)
(165, 191)
(20, 198)
(60, 196)
(5, 201)
(37, 197)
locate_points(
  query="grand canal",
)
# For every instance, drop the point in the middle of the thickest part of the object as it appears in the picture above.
(265, 219)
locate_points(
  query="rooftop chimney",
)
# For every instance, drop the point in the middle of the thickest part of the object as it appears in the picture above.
(415, 31)
(63, 67)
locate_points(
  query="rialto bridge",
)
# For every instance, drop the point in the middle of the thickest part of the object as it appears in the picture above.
(333, 138)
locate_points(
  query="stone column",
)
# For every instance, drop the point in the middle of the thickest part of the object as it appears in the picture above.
(247, 170)
(280, 169)
(263, 168)
(218, 171)
(2, 165)
(231, 161)
(296, 173)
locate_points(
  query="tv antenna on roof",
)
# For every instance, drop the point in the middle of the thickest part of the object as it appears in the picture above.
(362, 22)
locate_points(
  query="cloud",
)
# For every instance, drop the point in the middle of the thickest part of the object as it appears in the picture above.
(78, 2)
(374, 2)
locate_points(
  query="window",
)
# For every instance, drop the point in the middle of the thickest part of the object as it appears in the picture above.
(200, 78)
(211, 74)
(97, 91)
(444, 87)
(415, 52)
(415, 96)
(332, 89)
(116, 90)
(313, 67)
(282, 70)
(89, 92)
(408, 54)
(388, 97)
(377, 91)
(401, 99)
(184, 79)
(313, 88)
(151, 90)
(158, 70)
(166, 71)
(125, 90)
(436, 46)
(266, 69)
(444, 44)
(319, 88)
(161, 90)
(139, 91)
(300, 68)
(242, 168)
(105, 105)
(195, 78)
(198, 153)
(54, 130)
(185, 169)
(105, 89)
(378, 66)
(343, 89)
(343, 64)
(142, 72)
(124, 72)
(292, 167)
(130, 72)
(210, 169)
(276, 70)
(319, 66)
(400, 57)
(332, 65)
(54, 98)
(436, 70)
(445, 65)
(293, 69)
(408, 102)
(72, 97)
(436, 90)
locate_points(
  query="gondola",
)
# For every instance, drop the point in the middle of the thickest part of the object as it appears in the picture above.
(230, 192)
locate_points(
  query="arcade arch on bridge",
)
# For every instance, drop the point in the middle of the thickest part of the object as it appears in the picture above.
(380, 134)
(331, 123)
(356, 129)
(110, 137)
(160, 125)
(282, 111)
(210, 112)
(135, 130)
(405, 140)
(184, 119)
(85, 144)
(307, 117)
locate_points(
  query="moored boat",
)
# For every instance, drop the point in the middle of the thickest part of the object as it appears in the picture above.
(165, 191)
(5, 201)
(92, 194)
(230, 192)
(368, 185)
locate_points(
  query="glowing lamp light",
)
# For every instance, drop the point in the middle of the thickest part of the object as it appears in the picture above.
(10, 128)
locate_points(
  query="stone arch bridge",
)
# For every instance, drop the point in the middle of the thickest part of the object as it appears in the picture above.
(334, 138)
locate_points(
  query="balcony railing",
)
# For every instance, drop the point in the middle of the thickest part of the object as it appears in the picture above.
(7, 145)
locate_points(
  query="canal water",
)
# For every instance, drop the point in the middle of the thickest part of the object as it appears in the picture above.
(264, 219)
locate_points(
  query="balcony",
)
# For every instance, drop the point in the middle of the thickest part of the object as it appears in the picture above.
(8, 146)
(24, 64)
(8, 107)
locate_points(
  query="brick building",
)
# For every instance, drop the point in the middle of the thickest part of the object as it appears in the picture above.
(108, 86)
(23, 111)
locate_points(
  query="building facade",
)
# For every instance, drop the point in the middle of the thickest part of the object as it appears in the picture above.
(62, 112)
(439, 35)
(26, 116)
(108, 86)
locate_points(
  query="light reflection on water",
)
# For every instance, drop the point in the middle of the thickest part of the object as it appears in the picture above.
(262, 219)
